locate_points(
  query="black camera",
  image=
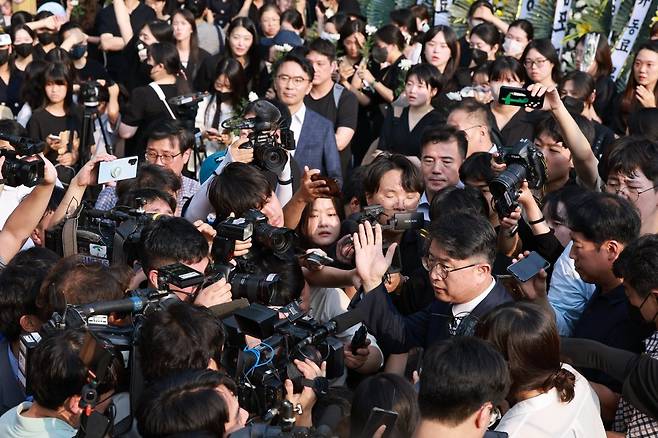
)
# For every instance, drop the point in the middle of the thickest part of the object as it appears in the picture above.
(524, 162)
(90, 93)
(269, 152)
(256, 288)
(262, 370)
(27, 170)
(254, 224)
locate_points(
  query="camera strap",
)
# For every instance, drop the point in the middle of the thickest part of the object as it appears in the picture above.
(161, 96)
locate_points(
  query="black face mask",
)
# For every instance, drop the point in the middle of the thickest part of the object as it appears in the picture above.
(4, 56)
(222, 96)
(46, 38)
(379, 54)
(573, 105)
(23, 50)
(78, 51)
(478, 56)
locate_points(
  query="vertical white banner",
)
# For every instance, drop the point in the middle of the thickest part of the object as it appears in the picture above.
(527, 7)
(560, 20)
(624, 45)
(441, 13)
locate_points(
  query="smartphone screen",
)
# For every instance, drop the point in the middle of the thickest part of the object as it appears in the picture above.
(117, 170)
(525, 269)
(378, 417)
(519, 97)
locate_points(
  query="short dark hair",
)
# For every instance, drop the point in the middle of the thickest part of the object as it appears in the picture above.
(488, 33)
(240, 187)
(20, 282)
(353, 187)
(55, 369)
(583, 83)
(604, 216)
(459, 375)
(445, 134)
(527, 337)
(477, 167)
(503, 66)
(464, 235)
(638, 263)
(642, 123)
(150, 176)
(426, 73)
(291, 57)
(149, 195)
(323, 47)
(412, 180)
(475, 109)
(169, 240)
(182, 404)
(180, 337)
(385, 391)
(451, 200)
(173, 130)
(477, 4)
(638, 153)
(75, 281)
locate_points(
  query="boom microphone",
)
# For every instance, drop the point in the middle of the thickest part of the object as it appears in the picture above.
(126, 305)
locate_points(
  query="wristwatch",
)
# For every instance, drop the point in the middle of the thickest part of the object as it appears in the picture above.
(320, 385)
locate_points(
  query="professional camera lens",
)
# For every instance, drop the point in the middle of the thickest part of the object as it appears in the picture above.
(256, 288)
(19, 171)
(279, 240)
(508, 180)
(270, 157)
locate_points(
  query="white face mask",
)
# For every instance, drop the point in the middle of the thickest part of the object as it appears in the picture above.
(512, 47)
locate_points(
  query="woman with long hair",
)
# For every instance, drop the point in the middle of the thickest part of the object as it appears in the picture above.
(600, 69)
(187, 42)
(641, 90)
(441, 49)
(549, 398)
(542, 63)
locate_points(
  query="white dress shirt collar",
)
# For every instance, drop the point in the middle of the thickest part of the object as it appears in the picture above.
(296, 123)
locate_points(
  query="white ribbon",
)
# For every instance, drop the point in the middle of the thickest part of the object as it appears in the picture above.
(560, 21)
(441, 13)
(527, 6)
(624, 45)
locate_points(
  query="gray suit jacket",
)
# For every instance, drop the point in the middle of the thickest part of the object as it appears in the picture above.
(316, 147)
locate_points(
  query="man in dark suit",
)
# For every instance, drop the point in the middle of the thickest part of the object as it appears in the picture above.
(314, 135)
(459, 261)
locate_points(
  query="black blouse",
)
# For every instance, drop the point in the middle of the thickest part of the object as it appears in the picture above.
(396, 136)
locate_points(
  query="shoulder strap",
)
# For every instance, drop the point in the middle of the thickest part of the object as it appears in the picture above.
(161, 96)
(338, 91)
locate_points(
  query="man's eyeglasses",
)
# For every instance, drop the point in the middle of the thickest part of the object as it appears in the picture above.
(430, 264)
(632, 193)
(296, 80)
(153, 156)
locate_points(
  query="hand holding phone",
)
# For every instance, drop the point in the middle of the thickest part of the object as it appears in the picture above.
(359, 340)
(519, 97)
(528, 266)
(117, 170)
(331, 183)
(380, 417)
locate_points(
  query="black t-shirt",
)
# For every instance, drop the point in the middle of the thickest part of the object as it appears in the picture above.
(92, 71)
(195, 66)
(42, 124)
(145, 110)
(13, 96)
(106, 22)
(345, 115)
(521, 125)
(396, 137)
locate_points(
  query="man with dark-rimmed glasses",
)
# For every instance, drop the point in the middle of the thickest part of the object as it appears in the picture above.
(169, 145)
(459, 262)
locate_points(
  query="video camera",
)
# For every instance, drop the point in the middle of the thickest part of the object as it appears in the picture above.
(27, 170)
(269, 153)
(261, 371)
(524, 162)
(92, 93)
(399, 222)
(108, 237)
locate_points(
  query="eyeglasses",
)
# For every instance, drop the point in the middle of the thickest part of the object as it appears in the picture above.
(539, 63)
(296, 80)
(430, 264)
(153, 156)
(632, 194)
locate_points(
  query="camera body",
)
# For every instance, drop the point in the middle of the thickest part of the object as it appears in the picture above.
(262, 370)
(90, 93)
(269, 154)
(27, 169)
(524, 162)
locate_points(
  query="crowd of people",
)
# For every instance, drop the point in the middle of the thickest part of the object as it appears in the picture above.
(293, 156)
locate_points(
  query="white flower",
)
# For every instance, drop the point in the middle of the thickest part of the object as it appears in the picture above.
(278, 48)
(287, 48)
(331, 37)
(329, 13)
(581, 4)
(405, 64)
(370, 29)
(577, 16)
(253, 96)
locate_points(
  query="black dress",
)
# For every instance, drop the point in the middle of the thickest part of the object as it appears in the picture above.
(42, 124)
(396, 136)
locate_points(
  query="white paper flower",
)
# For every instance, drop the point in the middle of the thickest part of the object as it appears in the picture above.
(253, 96)
(329, 13)
(405, 64)
(581, 4)
(331, 37)
(287, 48)
(577, 16)
(278, 48)
(370, 29)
